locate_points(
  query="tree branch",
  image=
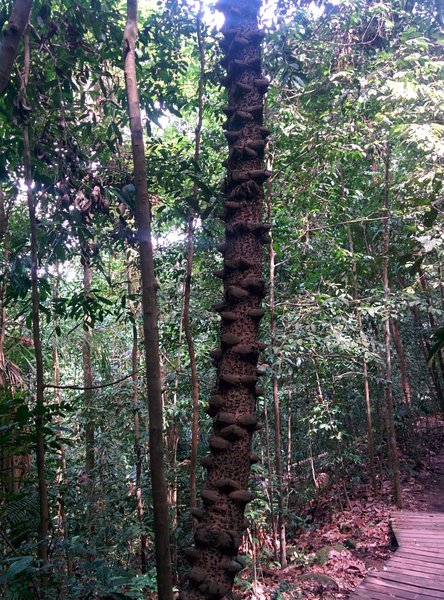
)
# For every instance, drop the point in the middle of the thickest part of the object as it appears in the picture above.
(92, 387)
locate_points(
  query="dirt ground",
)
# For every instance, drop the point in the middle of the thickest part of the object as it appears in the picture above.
(330, 560)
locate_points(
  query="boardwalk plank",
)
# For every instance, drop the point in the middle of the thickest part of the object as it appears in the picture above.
(406, 587)
(365, 590)
(416, 571)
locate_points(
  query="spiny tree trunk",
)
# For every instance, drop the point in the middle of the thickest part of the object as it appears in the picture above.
(233, 401)
(391, 432)
(12, 34)
(42, 536)
(149, 305)
(189, 271)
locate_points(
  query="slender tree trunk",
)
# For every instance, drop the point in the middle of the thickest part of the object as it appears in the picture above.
(440, 281)
(90, 472)
(12, 34)
(289, 438)
(42, 536)
(368, 408)
(387, 339)
(405, 381)
(425, 348)
(277, 416)
(189, 271)
(270, 487)
(136, 408)
(173, 434)
(425, 288)
(149, 304)
(4, 240)
(233, 402)
(61, 473)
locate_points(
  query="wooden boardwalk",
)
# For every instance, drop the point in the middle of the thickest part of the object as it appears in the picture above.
(416, 570)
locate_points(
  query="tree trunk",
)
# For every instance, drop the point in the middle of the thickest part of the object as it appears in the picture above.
(387, 339)
(61, 473)
(405, 381)
(277, 415)
(425, 348)
(12, 34)
(4, 240)
(189, 271)
(368, 407)
(233, 401)
(149, 304)
(425, 288)
(42, 536)
(88, 398)
(136, 408)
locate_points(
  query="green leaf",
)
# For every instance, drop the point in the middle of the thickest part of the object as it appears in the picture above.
(18, 566)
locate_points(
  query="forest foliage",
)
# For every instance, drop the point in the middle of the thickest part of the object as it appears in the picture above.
(355, 108)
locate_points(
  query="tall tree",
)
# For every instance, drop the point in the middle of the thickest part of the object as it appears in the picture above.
(233, 401)
(149, 306)
(391, 431)
(189, 264)
(35, 310)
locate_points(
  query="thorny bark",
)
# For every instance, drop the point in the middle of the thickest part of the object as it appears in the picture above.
(391, 432)
(368, 408)
(189, 271)
(12, 34)
(149, 306)
(40, 401)
(232, 404)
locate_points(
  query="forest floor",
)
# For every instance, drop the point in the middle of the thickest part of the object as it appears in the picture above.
(329, 559)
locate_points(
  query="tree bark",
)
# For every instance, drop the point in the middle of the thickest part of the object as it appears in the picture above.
(232, 404)
(12, 35)
(405, 381)
(149, 305)
(4, 239)
(425, 348)
(426, 289)
(189, 271)
(88, 397)
(42, 536)
(391, 432)
(277, 410)
(137, 443)
(368, 407)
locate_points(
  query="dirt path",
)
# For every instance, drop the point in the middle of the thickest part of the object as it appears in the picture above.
(428, 495)
(434, 488)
